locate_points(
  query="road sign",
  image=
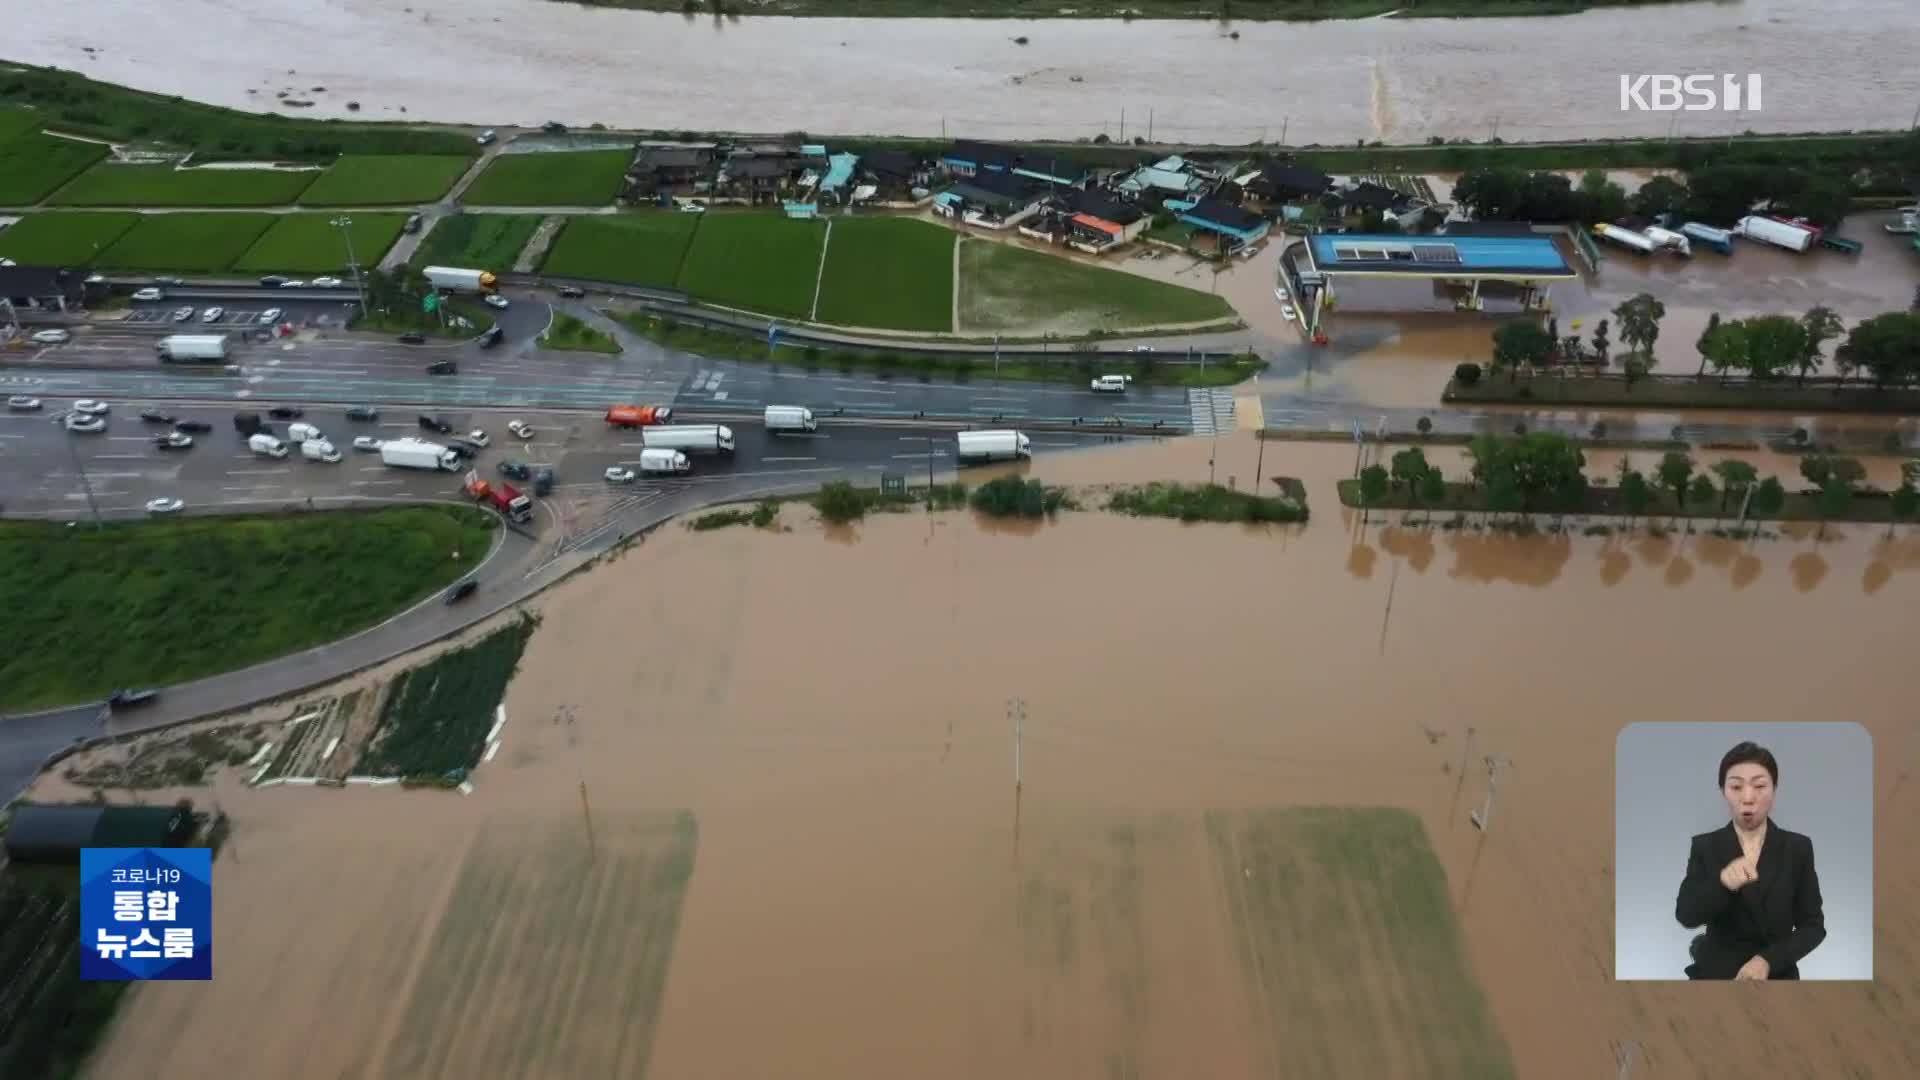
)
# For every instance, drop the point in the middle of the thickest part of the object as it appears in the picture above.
(893, 484)
(430, 302)
(1357, 437)
(773, 332)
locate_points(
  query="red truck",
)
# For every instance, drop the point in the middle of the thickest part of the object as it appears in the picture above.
(505, 497)
(633, 416)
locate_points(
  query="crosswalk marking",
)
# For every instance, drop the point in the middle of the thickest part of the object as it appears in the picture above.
(1211, 410)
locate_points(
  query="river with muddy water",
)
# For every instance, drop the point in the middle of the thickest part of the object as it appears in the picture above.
(869, 899)
(1843, 64)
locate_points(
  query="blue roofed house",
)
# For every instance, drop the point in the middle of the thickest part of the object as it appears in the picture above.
(973, 158)
(1236, 228)
(834, 187)
(1166, 179)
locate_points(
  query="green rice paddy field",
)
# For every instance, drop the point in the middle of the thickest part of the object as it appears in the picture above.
(164, 185)
(755, 261)
(385, 179)
(32, 165)
(561, 178)
(64, 237)
(312, 244)
(188, 242)
(646, 248)
(886, 272)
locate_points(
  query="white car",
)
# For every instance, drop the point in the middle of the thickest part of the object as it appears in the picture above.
(1286, 311)
(496, 300)
(325, 282)
(90, 407)
(367, 442)
(212, 314)
(84, 423)
(616, 474)
(52, 337)
(271, 315)
(520, 429)
(693, 208)
(1143, 348)
(182, 314)
(149, 293)
(477, 437)
(293, 284)
(1111, 384)
(164, 506)
(22, 403)
(485, 137)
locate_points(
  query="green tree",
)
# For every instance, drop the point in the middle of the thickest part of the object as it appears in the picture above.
(1373, 486)
(1735, 478)
(1634, 495)
(1503, 495)
(1521, 342)
(1601, 198)
(1676, 469)
(1844, 365)
(1887, 346)
(1775, 344)
(1639, 323)
(1727, 348)
(1541, 464)
(1700, 491)
(1769, 498)
(1486, 452)
(1433, 491)
(1900, 507)
(1700, 344)
(1409, 466)
(1600, 343)
(1658, 196)
(1835, 495)
(1821, 325)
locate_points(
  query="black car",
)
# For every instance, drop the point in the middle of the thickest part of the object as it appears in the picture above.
(413, 223)
(247, 423)
(464, 448)
(363, 412)
(274, 281)
(492, 337)
(554, 127)
(518, 470)
(192, 427)
(413, 339)
(155, 416)
(572, 292)
(462, 591)
(543, 481)
(120, 699)
(434, 423)
(443, 367)
(286, 412)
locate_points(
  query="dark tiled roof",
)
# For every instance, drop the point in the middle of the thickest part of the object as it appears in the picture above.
(1371, 194)
(1060, 167)
(983, 153)
(1221, 214)
(890, 163)
(1006, 185)
(1103, 206)
(672, 157)
(37, 281)
(1281, 177)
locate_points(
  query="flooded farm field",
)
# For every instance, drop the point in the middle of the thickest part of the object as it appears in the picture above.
(1239, 848)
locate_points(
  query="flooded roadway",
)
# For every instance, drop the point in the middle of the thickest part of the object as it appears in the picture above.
(1396, 80)
(831, 706)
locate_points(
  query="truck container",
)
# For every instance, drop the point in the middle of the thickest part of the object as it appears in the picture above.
(418, 454)
(789, 418)
(1668, 240)
(976, 446)
(301, 432)
(455, 279)
(503, 497)
(1707, 236)
(633, 416)
(1786, 234)
(266, 446)
(1625, 238)
(660, 461)
(319, 450)
(191, 348)
(690, 438)
(1842, 244)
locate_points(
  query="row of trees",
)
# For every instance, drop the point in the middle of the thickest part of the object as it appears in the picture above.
(1715, 194)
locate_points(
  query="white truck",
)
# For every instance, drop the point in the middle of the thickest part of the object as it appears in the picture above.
(1668, 240)
(1626, 238)
(302, 432)
(319, 450)
(191, 348)
(689, 438)
(266, 446)
(789, 418)
(659, 461)
(455, 279)
(977, 446)
(418, 454)
(1797, 238)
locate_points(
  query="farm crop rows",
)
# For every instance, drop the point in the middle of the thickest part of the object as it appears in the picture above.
(48, 1017)
(435, 722)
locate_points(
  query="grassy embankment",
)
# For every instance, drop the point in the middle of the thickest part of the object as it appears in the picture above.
(570, 333)
(153, 602)
(1681, 392)
(1067, 366)
(1865, 505)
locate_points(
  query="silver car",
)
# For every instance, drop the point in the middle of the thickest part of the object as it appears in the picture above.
(81, 422)
(22, 403)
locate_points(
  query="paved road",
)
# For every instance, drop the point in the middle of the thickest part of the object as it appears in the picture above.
(25, 741)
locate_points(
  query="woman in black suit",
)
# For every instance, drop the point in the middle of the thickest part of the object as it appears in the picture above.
(1751, 883)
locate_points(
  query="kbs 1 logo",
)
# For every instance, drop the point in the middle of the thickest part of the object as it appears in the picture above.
(1689, 93)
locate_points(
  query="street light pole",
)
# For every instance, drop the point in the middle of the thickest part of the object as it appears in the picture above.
(85, 485)
(345, 225)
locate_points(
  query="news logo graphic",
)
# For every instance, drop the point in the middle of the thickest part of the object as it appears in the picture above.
(1690, 93)
(146, 914)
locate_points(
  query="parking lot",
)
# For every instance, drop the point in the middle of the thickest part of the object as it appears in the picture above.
(234, 315)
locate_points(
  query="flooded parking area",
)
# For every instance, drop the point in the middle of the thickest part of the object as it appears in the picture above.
(824, 721)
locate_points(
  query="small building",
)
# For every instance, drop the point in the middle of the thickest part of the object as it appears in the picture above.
(1282, 182)
(895, 173)
(51, 833)
(1053, 169)
(41, 288)
(1237, 227)
(759, 177)
(996, 200)
(1159, 181)
(973, 158)
(834, 186)
(1096, 221)
(676, 168)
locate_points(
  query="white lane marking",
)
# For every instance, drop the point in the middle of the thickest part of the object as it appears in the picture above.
(789, 459)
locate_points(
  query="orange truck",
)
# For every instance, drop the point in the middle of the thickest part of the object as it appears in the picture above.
(633, 416)
(504, 497)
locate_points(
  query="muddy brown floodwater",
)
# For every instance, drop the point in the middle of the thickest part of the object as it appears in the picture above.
(831, 707)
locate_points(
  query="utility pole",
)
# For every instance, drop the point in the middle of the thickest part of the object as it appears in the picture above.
(345, 225)
(587, 812)
(1259, 461)
(1017, 712)
(1284, 121)
(1123, 123)
(1213, 451)
(1483, 817)
(1150, 124)
(84, 484)
(929, 472)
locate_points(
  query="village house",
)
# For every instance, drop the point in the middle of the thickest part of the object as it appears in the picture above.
(972, 158)
(991, 199)
(1053, 169)
(1233, 227)
(1280, 183)
(761, 175)
(1096, 222)
(894, 175)
(677, 169)
(1170, 178)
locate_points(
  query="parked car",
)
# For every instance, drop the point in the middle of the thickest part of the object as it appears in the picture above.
(495, 300)
(212, 314)
(155, 416)
(413, 339)
(23, 403)
(286, 412)
(520, 429)
(325, 283)
(149, 293)
(173, 441)
(443, 367)
(462, 591)
(123, 699)
(572, 292)
(492, 337)
(184, 313)
(1286, 311)
(293, 284)
(91, 407)
(478, 437)
(271, 315)
(543, 480)
(191, 427)
(52, 337)
(164, 506)
(363, 412)
(273, 281)
(518, 470)
(83, 423)
(367, 442)
(413, 223)
(618, 475)
(485, 137)
(429, 422)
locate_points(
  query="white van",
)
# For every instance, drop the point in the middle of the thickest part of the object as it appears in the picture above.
(319, 450)
(302, 432)
(1111, 384)
(267, 446)
(783, 418)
